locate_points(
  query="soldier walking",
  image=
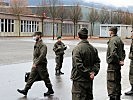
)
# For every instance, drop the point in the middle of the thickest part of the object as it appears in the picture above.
(39, 67)
(86, 65)
(130, 93)
(59, 49)
(115, 59)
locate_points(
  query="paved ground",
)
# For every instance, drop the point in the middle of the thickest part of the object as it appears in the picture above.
(16, 59)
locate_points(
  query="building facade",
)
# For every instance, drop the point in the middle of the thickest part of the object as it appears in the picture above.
(10, 25)
(124, 31)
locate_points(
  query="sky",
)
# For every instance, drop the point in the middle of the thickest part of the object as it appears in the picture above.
(117, 3)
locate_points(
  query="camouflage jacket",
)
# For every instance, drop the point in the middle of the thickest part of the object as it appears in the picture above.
(115, 50)
(84, 60)
(131, 51)
(59, 48)
(39, 54)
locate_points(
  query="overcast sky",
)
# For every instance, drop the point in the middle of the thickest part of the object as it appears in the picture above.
(117, 3)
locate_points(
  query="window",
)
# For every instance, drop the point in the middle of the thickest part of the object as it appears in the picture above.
(2, 25)
(33, 26)
(6, 25)
(29, 26)
(48, 27)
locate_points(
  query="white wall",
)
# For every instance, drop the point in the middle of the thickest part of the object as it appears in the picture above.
(123, 30)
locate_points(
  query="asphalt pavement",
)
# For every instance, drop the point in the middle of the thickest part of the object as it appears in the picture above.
(16, 59)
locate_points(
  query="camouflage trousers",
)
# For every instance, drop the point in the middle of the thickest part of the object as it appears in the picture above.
(131, 73)
(82, 90)
(114, 80)
(59, 61)
(39, 71)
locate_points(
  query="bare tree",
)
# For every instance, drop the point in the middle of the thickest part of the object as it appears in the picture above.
(19, 7)
(110, 17)
(42, 8)
(75, 16)
(53, 11)
(92, 17)
(2, 5)
(1, 2)
(104, 16)
(62, 14)
(42, 11)
(117, 17)
(131, 17)
(126, 18)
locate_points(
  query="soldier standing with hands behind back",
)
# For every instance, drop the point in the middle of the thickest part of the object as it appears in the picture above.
(130, 93)
(39, 67)
(115, 59)
(86, 65)
(59, 48)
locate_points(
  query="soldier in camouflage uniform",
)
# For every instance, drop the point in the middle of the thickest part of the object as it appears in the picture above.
(86, 65)
(59, 49)
(131, 68)
(115, 59)
(39, 67)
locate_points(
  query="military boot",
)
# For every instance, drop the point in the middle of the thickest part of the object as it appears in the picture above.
(130, 93)
(61, 73)
(57, 72)
(115, 97)
(49, 92)
(112, 98)
(118, 97)
(24, 92)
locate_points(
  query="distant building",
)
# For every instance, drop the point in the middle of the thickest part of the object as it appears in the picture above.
(84, 10)
(124, 31)
(9, 26)
(4, 4)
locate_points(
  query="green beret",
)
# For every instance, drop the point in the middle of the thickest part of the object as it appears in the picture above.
(58, 37)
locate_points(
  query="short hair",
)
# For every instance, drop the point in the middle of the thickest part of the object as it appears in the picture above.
(114, 29)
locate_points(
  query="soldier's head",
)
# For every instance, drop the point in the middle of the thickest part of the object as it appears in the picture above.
(113, 31)
(83, 33)
(37, 36)
(59, 38)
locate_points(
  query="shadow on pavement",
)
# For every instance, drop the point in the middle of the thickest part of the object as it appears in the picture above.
(124, 97)
(47, 98)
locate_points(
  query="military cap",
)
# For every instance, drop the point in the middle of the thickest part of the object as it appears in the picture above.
(58, 37)
(113, 29)
(38, 33)
(83, 32)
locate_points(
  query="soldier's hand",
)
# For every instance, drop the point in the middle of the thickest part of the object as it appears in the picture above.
(34, 65)
(68, 47)
(92, 75)
(121, 63)
(59, 47)
(65, 48)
